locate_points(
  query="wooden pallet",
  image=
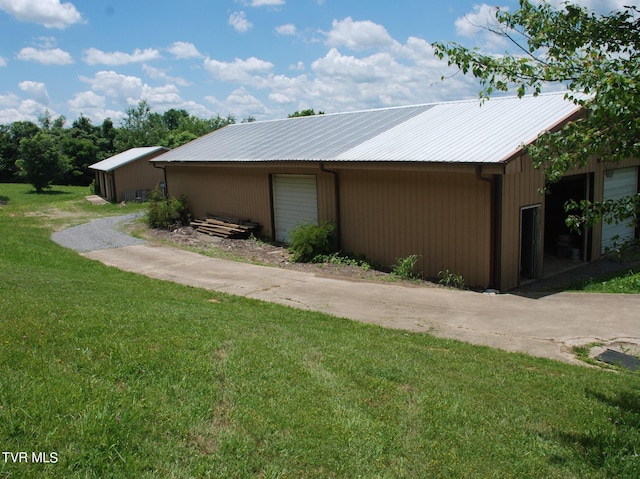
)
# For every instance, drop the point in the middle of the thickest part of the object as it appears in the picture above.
(225, 227)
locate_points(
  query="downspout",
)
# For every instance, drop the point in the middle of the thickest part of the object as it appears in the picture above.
(112, 177)
(493, 248)
(164, 176)
(336, 183)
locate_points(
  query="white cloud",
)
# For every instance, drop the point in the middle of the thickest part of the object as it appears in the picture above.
(87, 100)
(477, 21)
(115, 85)
(53, 56)
(46, 43)
(602, 7)
(287, 29)
(163, 97)
(50, 13)
(9, 101)
(14, 109)
(184, 50)
(267, 3)
(125, 91)
(37, 90)
(476, 25)
(93, 56)
(93, 106)
(359, 35)
(158, 74)
(392, 74)
(238, 20)
(281, 98)
(242, 71)
(241, 104)
(3, 62)
(373, 68)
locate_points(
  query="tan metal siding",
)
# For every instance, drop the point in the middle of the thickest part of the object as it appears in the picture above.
(243, 191)
(443, 217)
(137, 175)
(521, 187)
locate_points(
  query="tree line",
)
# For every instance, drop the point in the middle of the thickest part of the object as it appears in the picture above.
(50, 152)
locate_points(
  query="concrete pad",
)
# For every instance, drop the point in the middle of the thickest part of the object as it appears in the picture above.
(547, 326)
(96, 200)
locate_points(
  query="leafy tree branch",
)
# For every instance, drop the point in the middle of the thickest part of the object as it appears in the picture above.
(596, 57)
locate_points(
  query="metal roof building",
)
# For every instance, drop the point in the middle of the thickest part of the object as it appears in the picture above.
(128, 176)
(449, 182)
(441, 132)
(126, 157)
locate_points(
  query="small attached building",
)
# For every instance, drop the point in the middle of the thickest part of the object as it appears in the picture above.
(128, 176)
(449, 182)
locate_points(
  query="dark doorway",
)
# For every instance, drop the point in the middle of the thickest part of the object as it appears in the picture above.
(559, 240)
(530, 242)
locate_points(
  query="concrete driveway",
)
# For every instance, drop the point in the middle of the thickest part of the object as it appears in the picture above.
(547, 326)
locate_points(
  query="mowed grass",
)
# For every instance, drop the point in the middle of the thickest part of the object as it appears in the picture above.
(123, 376)
(624, 282)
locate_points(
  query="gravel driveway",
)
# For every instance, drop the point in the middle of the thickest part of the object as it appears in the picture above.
(98, 234)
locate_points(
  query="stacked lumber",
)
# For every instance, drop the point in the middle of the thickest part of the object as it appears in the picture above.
(225, 227)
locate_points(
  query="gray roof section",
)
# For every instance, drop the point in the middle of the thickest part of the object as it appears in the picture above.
(125, 157)
(462, 131)
(318, 137)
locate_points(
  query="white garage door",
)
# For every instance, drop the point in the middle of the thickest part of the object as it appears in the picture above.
(623, 182)
(295, 201)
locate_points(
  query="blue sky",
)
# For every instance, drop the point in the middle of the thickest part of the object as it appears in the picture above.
(259, 58)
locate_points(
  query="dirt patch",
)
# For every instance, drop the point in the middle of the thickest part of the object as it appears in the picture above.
(52, 213)
(259, 252)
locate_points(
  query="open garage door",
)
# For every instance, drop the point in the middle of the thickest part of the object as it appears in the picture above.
(295, 201)
(618, 184)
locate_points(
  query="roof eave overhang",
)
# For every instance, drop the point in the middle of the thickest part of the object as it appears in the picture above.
(521, 150)
(487, 167)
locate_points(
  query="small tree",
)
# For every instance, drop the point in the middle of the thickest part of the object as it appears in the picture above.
(40, 162)
(163, 212)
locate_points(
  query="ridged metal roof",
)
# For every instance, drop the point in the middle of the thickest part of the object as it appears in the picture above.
(462, 131)
(125, 157)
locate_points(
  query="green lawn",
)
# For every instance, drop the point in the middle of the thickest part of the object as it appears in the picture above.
(120, 375)
(627, 282)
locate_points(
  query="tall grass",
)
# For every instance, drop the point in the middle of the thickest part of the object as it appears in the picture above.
(124, 376)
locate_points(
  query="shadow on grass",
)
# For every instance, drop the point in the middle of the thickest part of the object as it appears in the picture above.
(614, 445)
(49, 192)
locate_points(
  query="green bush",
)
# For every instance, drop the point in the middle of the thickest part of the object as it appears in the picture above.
(451, 280)
(309, 240)
(404, 267)
(163, 213)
